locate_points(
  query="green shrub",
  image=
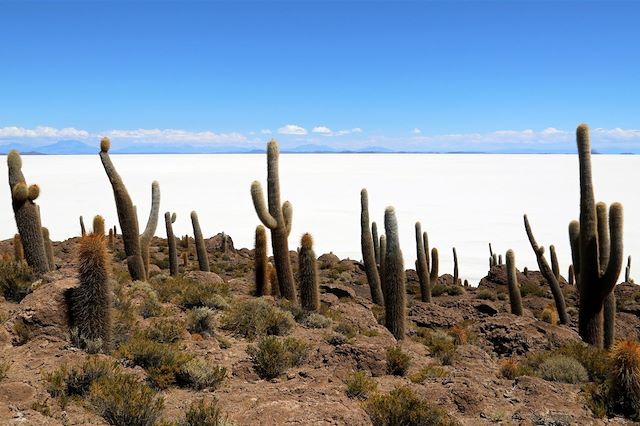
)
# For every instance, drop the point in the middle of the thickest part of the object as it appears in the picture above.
(560, 368)
(273, 356)
(150, 306)
(441, 345)
(164, 330)
(397, 361)
(65, 383)
(200, 320)
(315, 320)
(336, 339)
(402, 407)
(486, 294)
(451, 290)
(348, 330)
(429, 371)
(531, 289)
(15, 280)
(123, 401)
(360, 385)
(201, 413)
(254, 318)
(189, 294)
(201, 374)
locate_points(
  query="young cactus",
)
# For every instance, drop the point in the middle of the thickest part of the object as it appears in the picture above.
(83, 230)
(112, 240)
(261, 260)
(169, 219)
(126, 215)
(368, 251)
(27, 215)
(433, 275)
(599, 251)
(48, 246)
(91, 301)
(455, 267)
(627, 271)
(277, 217)
(152, 224)
(422, 266)
(201, 248)
(308, 275)
(515, 298)
(394, 277)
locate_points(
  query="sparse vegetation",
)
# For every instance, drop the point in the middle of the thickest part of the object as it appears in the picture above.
(201, 374)
(255, 318)
(398, 361)
(205, 413)
(15, 280)
(272, 356)
(561, 368)
(360, 385)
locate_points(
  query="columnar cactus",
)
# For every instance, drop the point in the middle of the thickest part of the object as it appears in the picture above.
(555, 266)
(18, 250)
(185, 260)
(394, 277)
(152, 224)
(422, 267)
(169, 219)
(98, 225)
(514, 289)
(383, 254)
(27, 215)
(433, 275)
(376, 243)
(201, 248)
(308, 275)
(83, 230)
(571, 278)
(548, 274)
(595, 280)
(260, 262)
(627, 271)
(126, 215)
(604, 249)
(455, 267)
(368, 252)
(48, 246)
(273, 280)
(277, 217)
(112, 240)
(91, 301)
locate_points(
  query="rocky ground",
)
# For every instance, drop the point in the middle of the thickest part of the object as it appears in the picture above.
(467, 381)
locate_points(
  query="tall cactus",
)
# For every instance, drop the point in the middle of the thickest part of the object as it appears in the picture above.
(126, 215)
(91, 301)
(604, 250)
(98, 225)
(169, 219)
(422, 267)
(548, 274)
(368, 252)
(394, 277)
(261, 260)
(383, 255)
(308, 275)
(201, 248)
(515, 298)
(111, 244)
(83, 230)
(627, 271)
(555, 266)
(152, 224)
(277, 217)
(18, 250)
(455, 267)
(27, 215)
(376, 243)
(48, 247)
(433, 275)
(595, 280)
(571, 278)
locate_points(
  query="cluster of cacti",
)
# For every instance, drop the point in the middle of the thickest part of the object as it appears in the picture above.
(169, 219)
(126, 215)
(369, 247)
(515, 299)
(427, 269)
(394, 277)
(201, 248)
(27, 215)
(308, 275)
(261, 261)
(494, 258)
(548, 274)
(152, 224)
(277, 217)
(90, 302)
(597, 252)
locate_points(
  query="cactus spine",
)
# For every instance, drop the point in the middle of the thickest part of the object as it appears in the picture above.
(308, 275)
(422, 267)
(18, 250)
(260, 262)
(91, 301)
(169, 219)
(27, 215)
(595, 280)
(368, 252)
(126, 215)
(455, 267)
(548, 274)
(201, 248)
(152, 224)
(277, 217)
(394, 277)
(514, 289)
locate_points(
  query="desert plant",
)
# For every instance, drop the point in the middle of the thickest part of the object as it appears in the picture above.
(201, 248)
(83, 230)
(201, 413)
(66, 382)
(90, 302)
(515, 299)
(257, 317)
(486, 294)
(571, 279)
(455, 267)
(201, 374)
(549, 315)
(560, 368)
(127, 215)
(368, 245)
(394, 278)
(169, 219)
(200, 320)
(624, 379)
(308, 275)
(555, 266)
(263, 285)
(164, 330)
(27, 215)
(422, 264)
(360, 385)
(15, 280)
(18, 249)
(441, 346)
(599, 258)
(272, 356)
(152, 224)
(316, 320)
(277, 217)
(398, 361)
(48, 246)
(627, 271)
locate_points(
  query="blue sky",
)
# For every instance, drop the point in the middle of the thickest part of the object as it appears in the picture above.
(405, 75)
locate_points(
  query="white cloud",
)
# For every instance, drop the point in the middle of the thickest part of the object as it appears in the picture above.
(42, 132)
(416, 131)
(292, 129)
(265, 131)
(175, 135)
(322, 129)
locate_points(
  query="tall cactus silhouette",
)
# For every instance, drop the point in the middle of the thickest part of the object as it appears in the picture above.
(627, 271)
(126, 215)
(48, 247)
(83, 230)
(571, 278)
(604, 250)
(201, 248)
(152, 224)
(368, 252)
(515, 298)
(435, 262)
(555, 266)
(169, 220)
(383, 255)
(27, 215)
(548, 274)
(308, 275)
(394, 277)
(422, 267)
(376, 243)
(277, 217)
(596, 278)
(455, 267)
(261, 260)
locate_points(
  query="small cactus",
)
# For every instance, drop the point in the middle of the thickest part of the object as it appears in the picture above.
(185, 260)
(308, 275)
(422, 267)
(201, 248)
(98, 225)
(433, 275)
(152, 224)
(394, 277)
(48, 246)
(112, 240)
(273, 280)
(627, 271)
(260, 262)
(455, 267)
(515, 298)
(624, 379)
(169, 219)
(18, 250)
(83, 230)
